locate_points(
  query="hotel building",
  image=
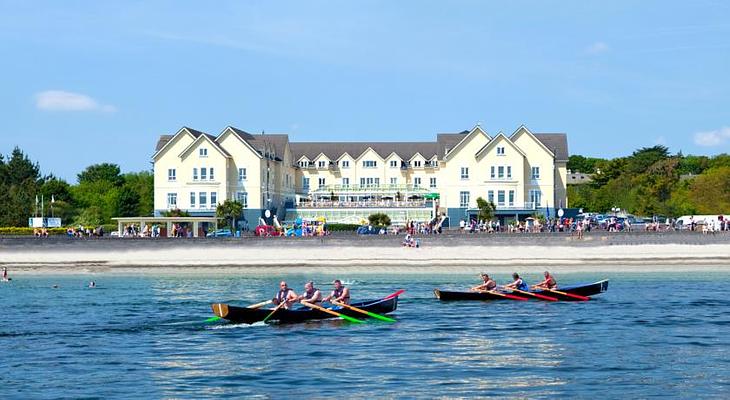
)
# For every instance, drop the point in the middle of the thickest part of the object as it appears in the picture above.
(522, 174)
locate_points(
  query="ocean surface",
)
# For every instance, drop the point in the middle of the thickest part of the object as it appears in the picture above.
(650, 335)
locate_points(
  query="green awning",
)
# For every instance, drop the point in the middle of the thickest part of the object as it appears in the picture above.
(431, 196)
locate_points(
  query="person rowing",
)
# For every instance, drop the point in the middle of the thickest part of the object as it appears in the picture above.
(518, 284)
(488, 284)
(340, 294)
(285, 295)
(311, 294)
(548, 283)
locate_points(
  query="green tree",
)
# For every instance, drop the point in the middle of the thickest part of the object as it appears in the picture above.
(143, 184)
(583, 164)
(486, 209)
(127, 202)
(19, 184)
(102, 172)
(379, 219)
(229, 211)
(711, 191)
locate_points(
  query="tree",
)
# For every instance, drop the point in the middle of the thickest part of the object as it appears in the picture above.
(711, 191)
(102, 172)
(229, 210)
(176, 213)
(583, 164)
(127, 202)
(19, 184)
(486, 209)
(143, 183)
(379, 219)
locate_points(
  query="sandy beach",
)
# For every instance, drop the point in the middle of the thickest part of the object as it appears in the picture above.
(452, 252)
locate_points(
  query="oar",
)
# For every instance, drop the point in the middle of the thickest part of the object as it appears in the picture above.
(539, 296)
(328, 311)
(371, 314)
(275, 310)
(508, 296)
(575, 296)
(220, 307)
(396, 294)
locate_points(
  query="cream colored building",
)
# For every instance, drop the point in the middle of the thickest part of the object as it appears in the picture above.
(522, 173)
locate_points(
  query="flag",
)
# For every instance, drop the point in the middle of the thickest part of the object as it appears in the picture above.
(36, 199)
(52, 199)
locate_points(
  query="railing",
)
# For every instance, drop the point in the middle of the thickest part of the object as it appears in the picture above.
(527, 206)
(364, 204)
(371, 188)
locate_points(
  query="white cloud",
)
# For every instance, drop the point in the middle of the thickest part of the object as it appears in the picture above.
(59, 100)
(712, 138)
(597, 48)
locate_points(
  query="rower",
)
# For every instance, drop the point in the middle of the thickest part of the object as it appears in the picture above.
(284, 295)
(340, 294)
(311, 294)
(548, 283)
(489, 283)
(518, 284)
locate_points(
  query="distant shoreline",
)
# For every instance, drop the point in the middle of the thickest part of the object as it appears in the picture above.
(448, 253)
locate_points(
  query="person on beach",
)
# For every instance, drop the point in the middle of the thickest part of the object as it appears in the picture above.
(340, 294)
(548, 283)
(285, 295)
(518, 284)
(489, 283)
(311, 294)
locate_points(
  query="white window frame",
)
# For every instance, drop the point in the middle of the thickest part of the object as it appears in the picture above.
(464, 173)
(490, 196)
(393, 163)
(242, 197)
(213, 199)
(493, 174)
(211, 174)
(203, 199)
(203, 152)
(432, 182)
(195, 174)
(345, 163)
(417, 182)
(464, 198)
(500, 172)
(509, 172)
(535, 173)
(345, 182)
(536, 197)
(242, 176)
(500, 150)
(394, 181)
(172, 200)
(501, 198)
(171, 175)
(322, 182)
(203, 174)
(192, 199)
(417, 164)
(305, 183)
(321, 164)
(511, 198)
(369, 164)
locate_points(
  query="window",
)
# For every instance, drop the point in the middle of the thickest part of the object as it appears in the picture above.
(500, 197)
(241, 174)
(500, 150)
(511, 198)
(393, 163)
(509, 172)
(464, 172)
(211, 174)
(303, 164)
(192, 199)
(321, 164)
(345, 164)
(535, 173)
(305, 183)
(417, 182)
(203, 174)
(492, 172)
(171, 175)
(345, 181)
(213, 199)
(417, 164)
(535, 197)
(463, 199)
(393, 181)
(242, 198)
(500, 172)
(321, 182)
(203, 152)
(203, 197)
(490, 196)
(369, 164)
(172, 200)
(432, 183)
(195, 174)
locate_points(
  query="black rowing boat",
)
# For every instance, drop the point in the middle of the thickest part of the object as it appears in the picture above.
(586, 290)
(302, 313)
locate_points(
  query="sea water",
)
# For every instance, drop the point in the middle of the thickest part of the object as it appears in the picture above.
(140, 337)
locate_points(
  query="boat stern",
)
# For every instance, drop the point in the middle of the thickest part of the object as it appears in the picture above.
(220, 309)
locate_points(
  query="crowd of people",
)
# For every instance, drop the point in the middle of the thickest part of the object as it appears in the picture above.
(518, 283)
(286, 297)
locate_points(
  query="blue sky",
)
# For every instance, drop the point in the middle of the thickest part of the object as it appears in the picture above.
(90, 81)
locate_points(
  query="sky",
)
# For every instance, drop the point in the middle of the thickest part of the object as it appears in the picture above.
(84, 82)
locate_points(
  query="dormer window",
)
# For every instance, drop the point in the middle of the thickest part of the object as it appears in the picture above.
(369, 164)
(203, 152)
(321, 164)
(345, 163)
(500, 150)
(303, 164)
(393, 163)
(417, 164)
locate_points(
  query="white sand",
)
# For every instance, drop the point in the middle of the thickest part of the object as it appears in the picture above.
(376, 259)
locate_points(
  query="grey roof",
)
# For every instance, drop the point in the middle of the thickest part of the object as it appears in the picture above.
(333, 150)
(447, 141)
(556, 142)
(162, 141)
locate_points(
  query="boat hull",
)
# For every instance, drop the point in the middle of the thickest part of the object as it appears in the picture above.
(251, 315)
(586, 290)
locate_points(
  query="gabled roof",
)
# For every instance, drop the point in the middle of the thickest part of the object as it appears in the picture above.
(523, 128)
(261, 143)
(335, 150)
(476, 130)
(207, 138)
(556, 142)
(493, 143)
(167, 139)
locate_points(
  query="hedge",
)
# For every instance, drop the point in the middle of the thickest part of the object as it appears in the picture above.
(12, 230)
(342, 227)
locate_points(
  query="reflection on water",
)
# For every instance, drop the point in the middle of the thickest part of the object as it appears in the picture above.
(144, 337)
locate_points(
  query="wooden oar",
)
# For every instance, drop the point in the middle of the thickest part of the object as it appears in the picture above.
(575, 296)
(505, 295)
(539, 296)
(275, 310)
(328, 311)
(221, 310)
(371, 314)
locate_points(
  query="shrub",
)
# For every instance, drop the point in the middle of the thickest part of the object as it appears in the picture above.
(342, 227)
(379, 219)
(26, 231)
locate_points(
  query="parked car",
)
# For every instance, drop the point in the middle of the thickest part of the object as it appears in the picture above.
(220, 233)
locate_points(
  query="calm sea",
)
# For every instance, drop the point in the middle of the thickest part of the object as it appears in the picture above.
(650, 335)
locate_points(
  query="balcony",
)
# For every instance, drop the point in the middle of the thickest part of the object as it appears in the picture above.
(364, 204)
(528, 205)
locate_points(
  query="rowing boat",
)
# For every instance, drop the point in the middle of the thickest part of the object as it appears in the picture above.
(300, 313)
(586, 290)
